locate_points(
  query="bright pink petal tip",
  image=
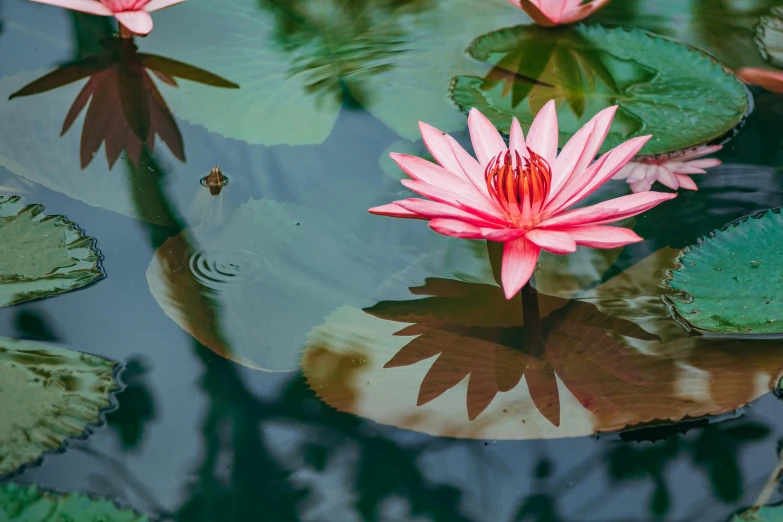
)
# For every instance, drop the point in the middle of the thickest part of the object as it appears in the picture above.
(137, 22)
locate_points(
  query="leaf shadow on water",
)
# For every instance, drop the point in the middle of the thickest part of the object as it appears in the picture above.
(125, 109)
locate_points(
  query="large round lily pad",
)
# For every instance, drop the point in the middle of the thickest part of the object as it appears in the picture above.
(47, 395)
(679, 95)
(252, 288)
(42, 255)
(452, 360)
(731, 280)
(31, 504)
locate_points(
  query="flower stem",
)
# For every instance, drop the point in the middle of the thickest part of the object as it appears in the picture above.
(531, 315)
(125, 33)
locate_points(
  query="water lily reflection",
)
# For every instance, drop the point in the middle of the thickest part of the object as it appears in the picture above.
(461, 362)
(126, 109)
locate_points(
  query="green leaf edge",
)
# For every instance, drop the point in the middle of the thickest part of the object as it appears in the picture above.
(680, 296)
(720, 139)
(80, 236)
(119, 386)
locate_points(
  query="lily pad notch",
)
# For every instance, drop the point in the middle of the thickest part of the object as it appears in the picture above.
(728, 284)
(658, 83)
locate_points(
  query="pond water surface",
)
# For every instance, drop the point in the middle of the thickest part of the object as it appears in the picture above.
(265, 374)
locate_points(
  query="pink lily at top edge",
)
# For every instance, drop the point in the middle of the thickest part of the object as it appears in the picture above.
(771, 80)
(521, 194)
(673, 171)
(132, 14)
(551, 13)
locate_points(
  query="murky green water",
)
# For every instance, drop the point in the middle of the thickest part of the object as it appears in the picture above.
(287, 356)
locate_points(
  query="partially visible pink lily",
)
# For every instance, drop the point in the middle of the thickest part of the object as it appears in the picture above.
(673, 171)
(522, 194)
(551, 13)
(769, 79)
(131, 14)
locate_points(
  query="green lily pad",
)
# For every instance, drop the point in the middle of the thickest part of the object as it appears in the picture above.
(47, 395)
(730, 280)
(31, 504)
(679, 95)
(269, 274)
(762, 514)
(44, 255)
(769, 37)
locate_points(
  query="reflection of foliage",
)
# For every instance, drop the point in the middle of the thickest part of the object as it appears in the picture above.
(126, 109)
(474, 331)
(31, 325)
(714, 451)
(539, 507)
(679, 95)
(335, 43)
(136, 405)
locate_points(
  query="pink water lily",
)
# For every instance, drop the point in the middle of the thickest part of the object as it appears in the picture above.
(769, 79)
(673, 171)
(522, 194)
(551, 13)
(132, 14)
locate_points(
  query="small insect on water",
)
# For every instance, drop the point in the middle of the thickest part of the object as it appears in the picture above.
(215, 181)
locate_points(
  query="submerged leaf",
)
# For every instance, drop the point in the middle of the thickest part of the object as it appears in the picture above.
(730, 281)
(31, 504)
(680, 96)
(47, 395)
(270, 273)
(44, 255)
(761, 514)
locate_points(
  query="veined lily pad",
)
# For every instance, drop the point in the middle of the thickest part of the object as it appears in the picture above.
(452, 361)
(31, 504)
(43, 255)
(47, 395)
(271, 273)
(732, 279)
(769, 36)
(679, 95)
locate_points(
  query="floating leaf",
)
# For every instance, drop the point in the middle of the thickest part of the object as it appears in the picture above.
(294, 62)
(454, 361)
(31, 504)
(680, 96)
(269, 274)
(44, 255)
(731, 279)
(47, 395)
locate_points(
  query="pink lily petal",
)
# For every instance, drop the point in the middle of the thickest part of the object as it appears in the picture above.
(770, 80)
(707, 163)
(686, 182)
(667, 177)
(156, 5)
(569, 157)
(437, 143)
(85, 6)
(543, 135)
(519, 262)
(582, 12)
(602, 236)
(516, 139)
(434, 210)
(481, 207)
(394, 210)
(423, 170)
(553, 241)
(698, 152)
(502, 234)
(608, 211)
(137, 22)
(487, 142)
(641, 186)
(637, 172)
(687, 169)
(598, 174)
(472, 169)
(456, 228)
